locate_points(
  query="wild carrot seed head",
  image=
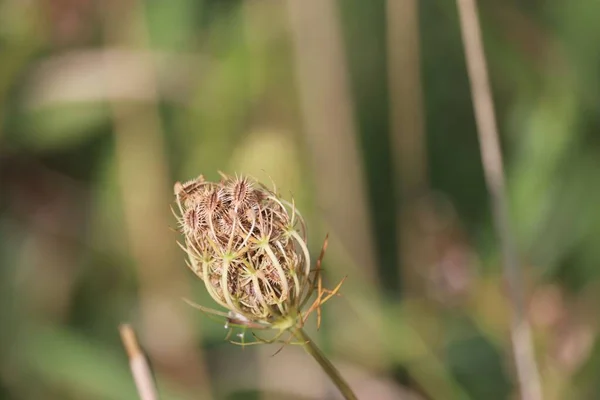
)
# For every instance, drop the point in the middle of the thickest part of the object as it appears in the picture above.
(247, 244)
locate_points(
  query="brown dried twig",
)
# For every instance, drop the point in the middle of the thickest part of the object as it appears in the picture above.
(138, 364)
(527, 371)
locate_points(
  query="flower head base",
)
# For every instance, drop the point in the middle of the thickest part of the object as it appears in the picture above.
(249, 247)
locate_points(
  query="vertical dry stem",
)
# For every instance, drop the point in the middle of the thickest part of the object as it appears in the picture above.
(327, 114)
(138, 364)
(526, 367)
(407, 132)
(406, 94)
(143, 178)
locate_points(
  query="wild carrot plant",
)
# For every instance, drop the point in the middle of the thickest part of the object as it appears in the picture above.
(249, 247)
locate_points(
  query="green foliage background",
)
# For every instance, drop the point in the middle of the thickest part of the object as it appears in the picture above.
(104, 105)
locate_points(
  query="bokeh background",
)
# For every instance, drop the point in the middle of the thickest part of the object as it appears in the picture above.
(361, 111)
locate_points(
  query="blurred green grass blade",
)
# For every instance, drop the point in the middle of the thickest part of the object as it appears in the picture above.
(405, 345)
(61, 126)
(171, 24)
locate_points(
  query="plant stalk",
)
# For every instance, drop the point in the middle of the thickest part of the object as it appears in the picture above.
(312, 349)
(485, 118)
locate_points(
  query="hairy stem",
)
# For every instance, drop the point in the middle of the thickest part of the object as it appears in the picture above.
(331, 371)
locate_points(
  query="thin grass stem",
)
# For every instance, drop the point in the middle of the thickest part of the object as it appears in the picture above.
(138, 364)
(524, 357)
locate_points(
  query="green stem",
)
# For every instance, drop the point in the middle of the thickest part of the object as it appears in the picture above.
(312, 349)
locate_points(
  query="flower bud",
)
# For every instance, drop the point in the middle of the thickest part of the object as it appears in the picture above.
(248, 246)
